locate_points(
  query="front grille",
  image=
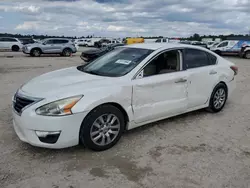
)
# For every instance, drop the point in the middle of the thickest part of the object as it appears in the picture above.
(21, 102)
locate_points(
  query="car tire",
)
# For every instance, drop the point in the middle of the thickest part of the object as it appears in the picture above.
(247, 54)
(67, 52)
(35, 52)
(218, 98)
(15, 48)
(102, 128)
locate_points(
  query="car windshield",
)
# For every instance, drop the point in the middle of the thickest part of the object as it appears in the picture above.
(117, 62)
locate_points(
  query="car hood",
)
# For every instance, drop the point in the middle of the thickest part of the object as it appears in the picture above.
(37, 44)
(69, 80)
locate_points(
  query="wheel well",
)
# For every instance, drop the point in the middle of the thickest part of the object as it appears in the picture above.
(126, 118)
(67, 48)
(36, 49)
(224, 84)
(15, 45)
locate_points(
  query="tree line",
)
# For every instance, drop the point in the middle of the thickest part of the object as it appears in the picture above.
(195, 37)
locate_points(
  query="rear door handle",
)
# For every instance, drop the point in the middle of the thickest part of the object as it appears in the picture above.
(212, 72)
(181, 80)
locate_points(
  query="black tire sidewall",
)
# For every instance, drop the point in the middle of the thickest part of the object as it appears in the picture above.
(65, 50)
(89, 120)
(15, 48)
(247, 52)
(211, 102)
(32, 53)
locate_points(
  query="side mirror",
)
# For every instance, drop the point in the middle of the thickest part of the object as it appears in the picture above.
(140, 75)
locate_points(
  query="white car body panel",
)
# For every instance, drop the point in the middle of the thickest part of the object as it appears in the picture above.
(164, 102)
(144, 100)
(8, 44)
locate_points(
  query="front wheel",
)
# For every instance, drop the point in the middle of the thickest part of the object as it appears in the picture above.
(102, 128)
(35, 53)
(218, 98)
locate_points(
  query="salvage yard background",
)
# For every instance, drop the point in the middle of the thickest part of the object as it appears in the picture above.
(198, 149)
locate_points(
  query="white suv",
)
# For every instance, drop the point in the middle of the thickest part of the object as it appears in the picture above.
(9, 43)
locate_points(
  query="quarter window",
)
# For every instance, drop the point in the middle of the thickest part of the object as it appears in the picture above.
(212, 58)
(158, 40)
(197, 58)
(166, 62)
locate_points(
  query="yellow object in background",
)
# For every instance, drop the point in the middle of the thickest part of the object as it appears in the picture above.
(134, 40)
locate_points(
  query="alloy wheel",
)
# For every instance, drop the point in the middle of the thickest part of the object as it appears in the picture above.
(219, 98)
(105, 129)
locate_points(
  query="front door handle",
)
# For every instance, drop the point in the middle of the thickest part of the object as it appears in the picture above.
(181, 80)
(212, 72)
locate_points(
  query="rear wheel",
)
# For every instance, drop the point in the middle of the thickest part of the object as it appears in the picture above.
(247, 55)
(218, 98)
(102, 128)
(15, 48)
(35, 53)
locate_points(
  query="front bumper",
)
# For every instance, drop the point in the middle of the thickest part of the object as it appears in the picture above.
(29, 122)
(25, 50)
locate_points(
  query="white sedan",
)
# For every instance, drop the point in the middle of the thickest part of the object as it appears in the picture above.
(128, 87)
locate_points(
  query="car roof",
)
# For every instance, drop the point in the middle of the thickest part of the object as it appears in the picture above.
(155, 46)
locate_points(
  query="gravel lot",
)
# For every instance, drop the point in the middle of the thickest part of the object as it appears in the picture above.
(197, 149)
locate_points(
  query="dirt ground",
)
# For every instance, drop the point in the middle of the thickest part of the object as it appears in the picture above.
(194, 150)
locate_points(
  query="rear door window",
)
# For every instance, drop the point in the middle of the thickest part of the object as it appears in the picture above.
(196, 58)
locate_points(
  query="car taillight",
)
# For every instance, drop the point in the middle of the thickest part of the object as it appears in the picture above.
(235, 69)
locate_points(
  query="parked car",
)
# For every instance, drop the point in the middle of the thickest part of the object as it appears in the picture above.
(198, 43)
(128, 87)
(9, 43)
(25, 41)
(81, 42)
(210, 44)
(64, 47)
(112, 41)
(92, 54)
(245, 51)
(98, 44)
(229, 47)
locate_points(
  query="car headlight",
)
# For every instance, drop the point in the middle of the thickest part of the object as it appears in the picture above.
(58, 108)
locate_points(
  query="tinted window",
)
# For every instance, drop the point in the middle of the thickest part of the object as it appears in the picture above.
(117, 62)
(196, 58)
(11, 40)
(1, 39)
(60, 41)
(158, 40)
(164, 40)
(50, 42)
(212, 59)
(8, 40)
(223, 44)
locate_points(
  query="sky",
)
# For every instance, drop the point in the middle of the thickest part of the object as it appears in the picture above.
(120, 18)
